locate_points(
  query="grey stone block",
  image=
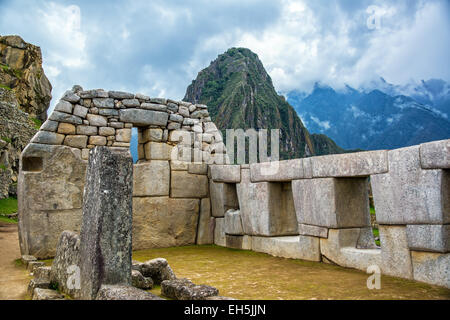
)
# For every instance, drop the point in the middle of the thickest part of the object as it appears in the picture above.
(47, 137)
(164, 222)
(186, 185)
(407, 194)
(107, 221)
(332, 202)
(430, 267)
(96, 120)
(51, 190)
(158, 270)
(96, 93)
(66, 265)
(139, 281)
(366, 239)
(46, 294)
(292, 247)
(131, 103)
(315, 231)
(226, 173)
(41, 283)
(64, 106)
(32, 265)
(219, 232)
(395, 254)
(103, 102)
(144, 117)
(198, 168)
(233, 223)
(267, 209)
(124, 292)
(155, 107)
(120, 95)
(435, 155)
(50, 125)
(358, 164)
(42, 273)
(434, 238)
(87, 130)
(184, 289)
(70, 96)
(151, 178)
(340, 248)
(280, 171)
(238, 242)
(80, 111)
(223, 197)
(205, 230)
(26, 259)
(65, 117)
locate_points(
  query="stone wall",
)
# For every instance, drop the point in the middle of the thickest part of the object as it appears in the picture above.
(315, 209)
(170, 190)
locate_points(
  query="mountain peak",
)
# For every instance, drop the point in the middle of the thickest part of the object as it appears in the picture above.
(240, 94)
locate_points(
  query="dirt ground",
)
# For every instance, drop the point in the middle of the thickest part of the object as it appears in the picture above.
(257, 276)
(239, 274)
(14, 278)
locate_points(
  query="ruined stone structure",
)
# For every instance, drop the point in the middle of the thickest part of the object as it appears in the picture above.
(169, 189)
(314, 209)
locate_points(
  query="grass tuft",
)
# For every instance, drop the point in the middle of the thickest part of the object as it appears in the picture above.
(8, 206)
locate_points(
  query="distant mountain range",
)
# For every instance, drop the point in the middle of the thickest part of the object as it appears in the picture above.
(379, 116)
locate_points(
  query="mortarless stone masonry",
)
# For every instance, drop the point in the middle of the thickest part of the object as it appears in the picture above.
(178, 202)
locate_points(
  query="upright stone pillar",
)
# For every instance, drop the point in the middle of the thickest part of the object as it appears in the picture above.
(105, 251)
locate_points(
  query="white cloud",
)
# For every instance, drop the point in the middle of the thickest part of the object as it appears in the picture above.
(63, 25)
(158, 47)
(325, 125)
(303, 47)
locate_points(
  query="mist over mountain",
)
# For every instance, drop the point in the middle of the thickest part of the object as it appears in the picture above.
(378, 116)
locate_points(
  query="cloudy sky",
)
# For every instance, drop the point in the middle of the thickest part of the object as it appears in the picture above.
(157, 47)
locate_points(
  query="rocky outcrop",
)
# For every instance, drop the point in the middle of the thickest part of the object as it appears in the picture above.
(21, 71)
(157, 269)
(16, 130)
(24, 100)
(184, 289)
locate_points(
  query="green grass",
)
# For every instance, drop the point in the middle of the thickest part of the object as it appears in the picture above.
(4, 67)
(6, 139)
(5, 87)
(18, 262)
(7, 206)
(376, 234)
(5, 219)
(37, 123)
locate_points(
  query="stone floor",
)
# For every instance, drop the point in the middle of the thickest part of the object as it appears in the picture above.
(13, 277)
